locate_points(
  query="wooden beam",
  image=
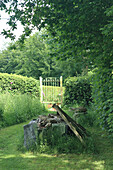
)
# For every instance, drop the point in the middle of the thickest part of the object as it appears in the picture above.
(71, 123)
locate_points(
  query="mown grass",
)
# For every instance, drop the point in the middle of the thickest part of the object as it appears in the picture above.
(13, 159)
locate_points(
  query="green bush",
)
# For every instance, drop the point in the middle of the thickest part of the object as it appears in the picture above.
(18, 108)
(102, 93)
(77, 90)
(17, 84)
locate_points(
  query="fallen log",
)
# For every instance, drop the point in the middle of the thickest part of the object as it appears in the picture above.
(77, 129)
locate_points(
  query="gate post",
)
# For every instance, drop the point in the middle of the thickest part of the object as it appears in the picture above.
(41, 96)
(61, 89)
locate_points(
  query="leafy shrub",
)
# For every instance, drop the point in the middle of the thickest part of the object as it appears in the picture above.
(77, 90)
(18, 84)
(102, 92)
(18, 108)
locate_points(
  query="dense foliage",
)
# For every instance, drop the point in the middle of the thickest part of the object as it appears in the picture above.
(36, 58)
(103, 98)
(81, 28)
(78, 90)
(16, 84)
(82, 32)
(31, 60)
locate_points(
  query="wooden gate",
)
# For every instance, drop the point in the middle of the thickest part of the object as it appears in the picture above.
(51, 90)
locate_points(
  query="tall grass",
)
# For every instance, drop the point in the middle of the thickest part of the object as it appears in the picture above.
(18, 108)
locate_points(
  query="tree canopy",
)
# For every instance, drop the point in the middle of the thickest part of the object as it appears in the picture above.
(35, 58)
(82, 28)
(31, 60)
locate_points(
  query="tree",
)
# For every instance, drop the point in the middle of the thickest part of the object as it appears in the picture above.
(37, 57)
(30, 60)
(66, 18)
(9, 60)
(76, 25)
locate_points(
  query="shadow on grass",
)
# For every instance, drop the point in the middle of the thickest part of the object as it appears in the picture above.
(28, 161)
(12, 159)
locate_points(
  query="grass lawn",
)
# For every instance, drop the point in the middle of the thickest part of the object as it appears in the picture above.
(12, 159)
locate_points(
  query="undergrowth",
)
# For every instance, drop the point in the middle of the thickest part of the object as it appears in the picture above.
(54, 143)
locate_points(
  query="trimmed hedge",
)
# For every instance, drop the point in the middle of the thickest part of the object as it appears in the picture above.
(77, 90)
(18, 84)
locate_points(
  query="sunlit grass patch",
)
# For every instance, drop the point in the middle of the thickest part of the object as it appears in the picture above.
(11, 158)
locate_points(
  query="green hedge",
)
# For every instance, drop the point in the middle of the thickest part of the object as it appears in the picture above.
(77, 90)
(103, 97)
(18, 84)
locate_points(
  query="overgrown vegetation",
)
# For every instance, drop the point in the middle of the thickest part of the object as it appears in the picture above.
(19, 108)
(54, 143)
(19, 99)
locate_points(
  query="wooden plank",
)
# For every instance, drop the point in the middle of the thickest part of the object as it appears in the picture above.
(70, 122)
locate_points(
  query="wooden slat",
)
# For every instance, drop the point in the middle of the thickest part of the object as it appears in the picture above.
(71, 123)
